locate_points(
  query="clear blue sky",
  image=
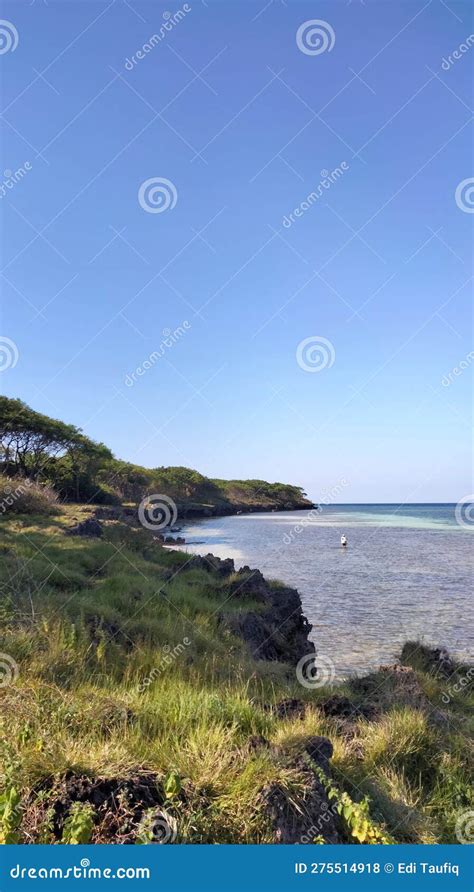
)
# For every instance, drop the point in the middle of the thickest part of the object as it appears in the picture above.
(380, 265)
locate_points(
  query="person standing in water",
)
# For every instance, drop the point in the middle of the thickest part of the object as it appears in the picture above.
(343, 541)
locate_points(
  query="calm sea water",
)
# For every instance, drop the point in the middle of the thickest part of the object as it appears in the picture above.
(407, 573)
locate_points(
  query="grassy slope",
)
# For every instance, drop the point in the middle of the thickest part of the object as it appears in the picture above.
(88, 620)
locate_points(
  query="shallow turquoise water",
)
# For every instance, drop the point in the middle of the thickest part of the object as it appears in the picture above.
(407, 573)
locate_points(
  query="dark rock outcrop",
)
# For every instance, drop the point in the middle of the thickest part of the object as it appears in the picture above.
(279, 630)
(399, 686)
(435, 660)
(291, 708)
(90, 527)
(320, 750)
(313, 816)
(212, 564)
(115, 512)
(119, 803)
(340, 707)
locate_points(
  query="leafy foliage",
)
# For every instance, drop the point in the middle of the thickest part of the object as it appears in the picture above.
(35, 446)
(79, 824)
(355, 815)
(10, 816)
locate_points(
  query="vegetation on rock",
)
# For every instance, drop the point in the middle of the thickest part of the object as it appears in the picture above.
(133, 709)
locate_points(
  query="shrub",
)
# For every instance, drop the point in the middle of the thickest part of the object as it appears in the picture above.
(79, 825)
(22, 496)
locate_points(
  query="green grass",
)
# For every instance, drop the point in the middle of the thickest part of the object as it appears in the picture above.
(90, 621)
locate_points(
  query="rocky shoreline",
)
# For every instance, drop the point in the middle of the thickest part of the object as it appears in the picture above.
(243, 749)
(186, 513)
(279, 631)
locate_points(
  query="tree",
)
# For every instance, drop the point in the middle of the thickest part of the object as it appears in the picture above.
(75, 474)
(30, 441)
(34, 444)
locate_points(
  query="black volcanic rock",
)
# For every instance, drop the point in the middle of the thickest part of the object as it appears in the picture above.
(89, 527)
(320, 750)
(314, 816)
(212, 564)
(435, 660)
(249, 585)
(290, 708)
(278, 630)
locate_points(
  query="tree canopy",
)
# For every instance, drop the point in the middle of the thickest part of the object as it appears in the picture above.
(80, 469)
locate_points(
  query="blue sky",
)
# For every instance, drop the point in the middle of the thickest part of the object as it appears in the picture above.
(242, 122)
